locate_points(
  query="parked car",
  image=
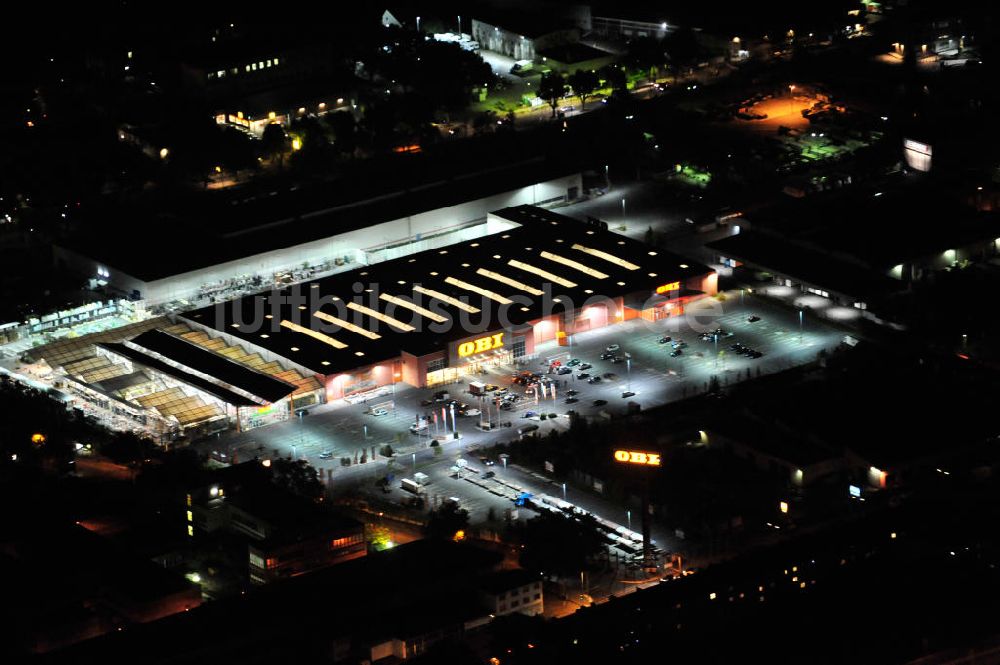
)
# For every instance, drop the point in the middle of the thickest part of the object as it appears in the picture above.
(529, 414)
(326, 454)
(488, 474)
(617, 359)
(490, 387)
(594, 379)
(380, 412)
(471, 412)
(676, 352)
(665, 339)
(574, 362)
(572, 400)
(600, 402)
(562, 371)
(611, 348)
(571, 392)
(609, 376)
(583, 375)
(753, 318)
(585, 366)
(607, 355)
(486, 461)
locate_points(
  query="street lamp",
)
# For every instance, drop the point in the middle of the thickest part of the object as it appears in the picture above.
(628, 371)
(800, 326)
(607, 178)
(414, 462)
(623, 211)
(629, 514)
(564, 491)
(418, 24)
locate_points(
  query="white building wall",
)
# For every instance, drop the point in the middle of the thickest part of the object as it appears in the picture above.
(409, 232)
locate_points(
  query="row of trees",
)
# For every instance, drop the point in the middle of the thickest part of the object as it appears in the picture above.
(584, 83)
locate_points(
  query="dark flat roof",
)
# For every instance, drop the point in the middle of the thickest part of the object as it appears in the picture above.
(146, 360)
(572, 53)
(882, 227)
(209, 228)
(804, 264)
(505, 580)
(212, 364)
(543, 242)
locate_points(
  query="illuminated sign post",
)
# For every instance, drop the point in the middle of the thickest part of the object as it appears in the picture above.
(642, 458)
(637, 457)
(480, 345)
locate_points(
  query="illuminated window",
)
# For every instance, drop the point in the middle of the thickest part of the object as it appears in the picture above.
(399, 302)
(375, 314)
(492, 295)
(326, 339)
(444, 297)
(190, 530)
(574, 264)
(541, 273)
(347, 325)
(610, 258)
(510, 282)
(190, 516)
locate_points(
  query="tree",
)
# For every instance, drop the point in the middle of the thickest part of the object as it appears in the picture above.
(298, 477)
(274, 142)
(484, 122)
(584, 83)
(344, 128)
(552, 88)
(447, 520)
(556, 544)
(614, 76)
(647, 54)
(682, 46)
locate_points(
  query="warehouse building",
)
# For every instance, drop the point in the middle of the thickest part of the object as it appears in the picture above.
(444, 314)
(434, 317)
(220, 245)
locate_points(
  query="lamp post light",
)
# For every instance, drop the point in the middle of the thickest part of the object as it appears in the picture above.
(629, 514)
(628, 372)
(414, 462)
(800, 326)
(418, 24)
(564, 491)
(623, 211)
(607, 178)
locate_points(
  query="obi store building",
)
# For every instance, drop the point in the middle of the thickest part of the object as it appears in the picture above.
(445, 314)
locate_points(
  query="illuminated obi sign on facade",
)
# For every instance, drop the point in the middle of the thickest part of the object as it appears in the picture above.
(666, 288)
(637, 457)
(480, 345)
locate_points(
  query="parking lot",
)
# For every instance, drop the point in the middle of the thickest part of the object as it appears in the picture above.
(344, 430)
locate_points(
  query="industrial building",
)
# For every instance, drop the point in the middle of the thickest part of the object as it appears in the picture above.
(434, 317)
(222, 243)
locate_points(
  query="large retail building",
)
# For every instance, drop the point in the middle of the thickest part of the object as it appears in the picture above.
(424, 319)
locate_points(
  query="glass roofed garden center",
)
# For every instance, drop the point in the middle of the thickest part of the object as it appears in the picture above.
(440, 315)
